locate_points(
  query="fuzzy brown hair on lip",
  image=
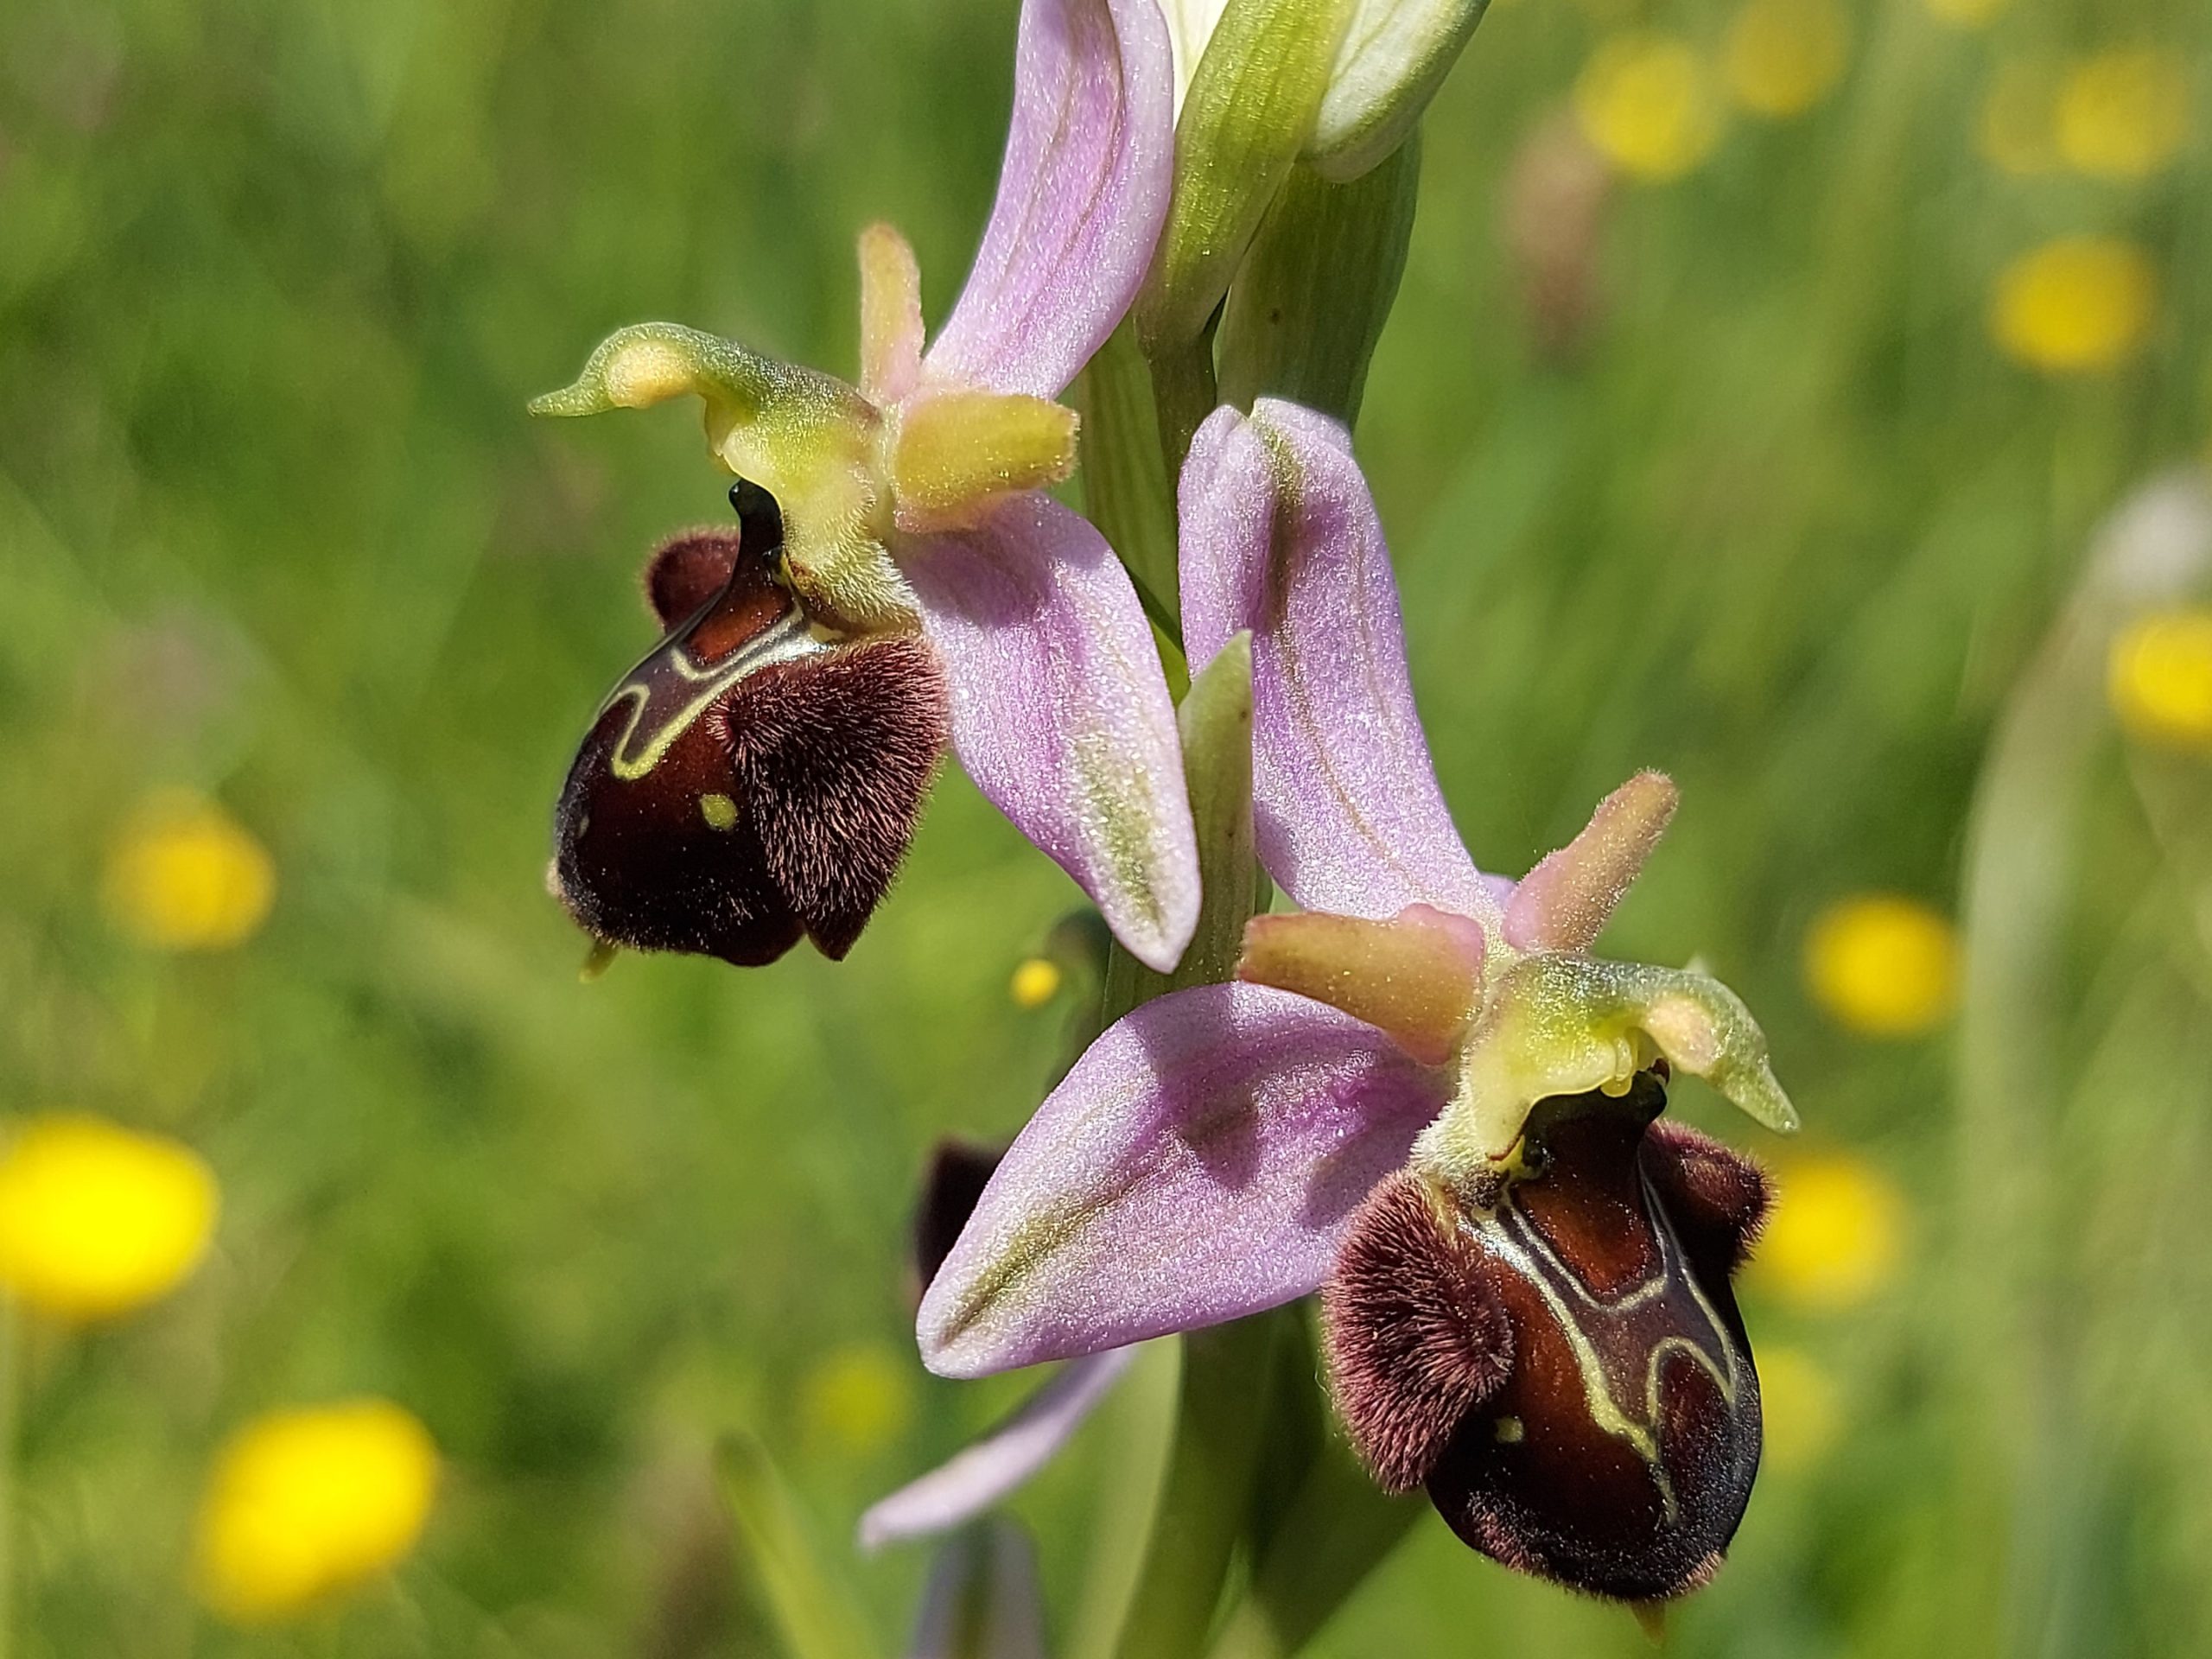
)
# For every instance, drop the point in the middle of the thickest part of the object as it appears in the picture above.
(1563, 1367)
(751, 782)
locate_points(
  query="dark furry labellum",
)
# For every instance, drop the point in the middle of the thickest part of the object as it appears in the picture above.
(751, 781)
(1563, 1366)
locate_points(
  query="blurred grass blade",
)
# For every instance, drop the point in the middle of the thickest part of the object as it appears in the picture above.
(11, 1384)
(2023, 1374)
(811, 1611)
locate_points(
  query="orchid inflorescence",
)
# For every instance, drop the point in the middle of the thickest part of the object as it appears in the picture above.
(1419, 1093)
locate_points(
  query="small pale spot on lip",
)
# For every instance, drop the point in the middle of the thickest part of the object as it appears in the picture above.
(719, 811)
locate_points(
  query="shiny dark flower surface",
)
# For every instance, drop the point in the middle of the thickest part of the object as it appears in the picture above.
(1561, 1360)
(754, 779)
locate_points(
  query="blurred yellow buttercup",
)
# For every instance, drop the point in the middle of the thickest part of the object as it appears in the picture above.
(1836, 1236)
(2076, 305)
(1783, 56)
(185, 875)
(2159, 678)
(305, 1505)
(1883, 964)
(1801, 1407)
(2123, 115)
(97, 1220)
(1647, 103)
(859, 1398)
(1035, 983)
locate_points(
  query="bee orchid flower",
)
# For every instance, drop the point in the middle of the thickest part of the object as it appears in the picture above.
(920, 585)
(1423, 1096)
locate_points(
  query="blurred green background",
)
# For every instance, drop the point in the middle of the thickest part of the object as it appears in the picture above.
(1768, 505)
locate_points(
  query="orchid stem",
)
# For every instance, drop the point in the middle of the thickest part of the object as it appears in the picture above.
(1184, 391)
(1126, 489)
(1228, 1377)
(1338, 1529)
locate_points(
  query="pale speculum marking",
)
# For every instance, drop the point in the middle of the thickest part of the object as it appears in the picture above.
(669, 690)
(1620, 1344)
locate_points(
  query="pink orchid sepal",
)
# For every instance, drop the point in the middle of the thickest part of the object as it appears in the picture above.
(1415, 1085)
(912, 502)
(1281, 538)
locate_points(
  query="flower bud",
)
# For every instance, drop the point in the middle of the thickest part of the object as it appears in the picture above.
(752, 778)
(1560, 1360)
(1393, 57)
(1261, 71)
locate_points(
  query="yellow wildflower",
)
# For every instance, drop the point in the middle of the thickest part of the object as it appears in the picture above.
(185, 875)
(1801, 1405)
(96, 1220)
(1646, 101)
(859, 1398)
(305, 1505)
(2123, 115)
(2159, 678)
(1836, 1236)
(2015, 131)
(1783, 55)
(1883, 966)
(2076, 305)
(1967, 14)
(1035, 983)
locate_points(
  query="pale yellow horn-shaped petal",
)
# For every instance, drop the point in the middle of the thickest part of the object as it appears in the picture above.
(1565, 901)
(891, 315)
